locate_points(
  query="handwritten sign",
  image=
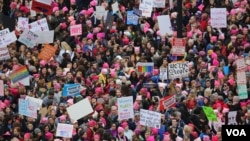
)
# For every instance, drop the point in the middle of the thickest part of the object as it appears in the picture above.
(240, 63)
(242, 91)
(178, 70)
(1, 88)
(27, 108)
(28, 38)
(7, 39)
(241, 77)
(4, 32)
(146, 6)
(47, 52)
(137, 12)
(125, 108)
(39, 25)
(218, 17)
(150, 118)
(4, 53)
(45, 37)
(23, 23)
(232, 118)
(71, 89)
(209, 112)
(39, 102)
(178, 47)
(132, 18)
(163, 73)
(64, 130)
(159, 3)
(100, 12)
(76, 30)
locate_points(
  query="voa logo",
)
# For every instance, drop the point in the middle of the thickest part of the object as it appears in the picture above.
(236, 132)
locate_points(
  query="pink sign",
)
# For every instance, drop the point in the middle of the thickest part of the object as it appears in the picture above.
(76, 30)
(1, 88)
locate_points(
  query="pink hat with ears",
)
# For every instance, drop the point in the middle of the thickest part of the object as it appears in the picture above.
(232, 12)
(100, 35)
(156, 71)
(55, 4)
(55, 9)
(105, 65)
(154, 131)
(65, 9)
(62, 117)
(216, 83)
(63, 26)
(83, 12)
(120, 130)
(90, 36)
(27, 136)
(93, 3)
(6, 102)
(90, 11)
(73, 22)
(234, 31)
(72, 1)
(231, 81)
(246, 45)
(231, 56)
(96, 137)
(13, 5)
(214, 38)
(48, 135)
(136, 106)
(243, 104)
(57, 86)
(125, 41)
(2, 105)
(220, 75)
(222, 36)
(206, 138)
(190, 34)
(214, 55)
(158, 33)
(215, 63)
(151, 138)
(44, 120)
(88, 22)
(42, 63)
(96, 30)
(215, 138)
(123, 8)
(70, 101)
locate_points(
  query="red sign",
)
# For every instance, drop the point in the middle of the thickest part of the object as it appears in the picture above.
(41, 7)
(167, 102)
(178, 47)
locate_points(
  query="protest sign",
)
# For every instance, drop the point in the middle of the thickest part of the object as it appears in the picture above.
(159, 3)
(23, 23)
(241, 77)
(19, 74)
(137, 12)
(39, 25)
(163, 73)
(146, 6)
(165, 26)
(240, 63)
(39, 102)
(132, 18)
(45, 37)
(209, 112)
(125, 108)
(7, 39)
(100, 12)
(28, 38)
(71, 89)
(75, 113)
(27, 108)
(4, 53)
(4, 32)
(43, 6)
(167, 102)
(145, 67)
(76, 30)
(178, 70)
(149, 85)
(115, 7)
(47, 52)
(178, 47)
(242, 91)
(150, 118)
(232, 118)
(218, 17)
(1, 88)
(64, 130)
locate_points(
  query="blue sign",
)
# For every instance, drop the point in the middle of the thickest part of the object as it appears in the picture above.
(71, 90)
(132, 18)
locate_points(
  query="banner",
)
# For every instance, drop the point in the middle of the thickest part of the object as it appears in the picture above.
(4, 53)
(75, 113)
(76, 30)
(167, 102)
(27, 108)
(178, 70)
(209, 112)
(71, 89)
(44, 6)
(19, 74)
(159, 3)
(125, 108)
(163, 73)
(218, 17)
(64, 130)
(47, 52)
(39, 25)
(145, 67)
(178, 47)
(242, 91)
(146, 6)
(7, 39)
(23, 23)
(28, 38)
(150, 118)
(132, 18)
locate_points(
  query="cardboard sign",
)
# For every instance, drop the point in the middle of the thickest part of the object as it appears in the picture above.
(47, 52)
(76, 30)
(45, 37)
(178, 47)
(165, 25)
(150, 118)
(242, 91)
(41, 6)
(163, 73)
(241, 77)
(39, 25)
(145, 67)
(178, 70)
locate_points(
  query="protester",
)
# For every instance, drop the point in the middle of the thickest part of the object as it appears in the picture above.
(118, 55)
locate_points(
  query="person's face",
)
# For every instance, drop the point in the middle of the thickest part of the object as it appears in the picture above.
(16, 132)
(118, 93)
(152, 50)
(93, 101)
(90, 42)
(30, 126)
(174, 123)
(113, 127)
(69, 75)
(44, 70)
(147, 134)
(114, 111)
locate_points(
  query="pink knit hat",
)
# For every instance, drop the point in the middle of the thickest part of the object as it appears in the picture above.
(27, 136)
(105, 65)
(65, 9)
(120, 130)
(92, 123)
(151, 138)
(48, 135)
(93, 3)
(62, 118)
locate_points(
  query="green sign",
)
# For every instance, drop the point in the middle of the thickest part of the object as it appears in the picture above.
(242, 91)
(211, 116)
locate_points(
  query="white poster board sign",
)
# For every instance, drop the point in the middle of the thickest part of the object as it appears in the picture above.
(125, 108)
(178, 70)
(150, 118)
(232, 118)
(45, 37)
(146, 6)
(28, 38)
(218, 17)
(64, 130)
(165, 25)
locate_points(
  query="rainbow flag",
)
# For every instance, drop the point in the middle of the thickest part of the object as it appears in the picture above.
(145, 67)
(19, 74)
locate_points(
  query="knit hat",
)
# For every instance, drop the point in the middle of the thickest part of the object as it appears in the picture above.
(120, 130)
(48, 135)
(37, 130)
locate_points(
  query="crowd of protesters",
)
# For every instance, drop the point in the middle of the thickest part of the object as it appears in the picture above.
(104, 63)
